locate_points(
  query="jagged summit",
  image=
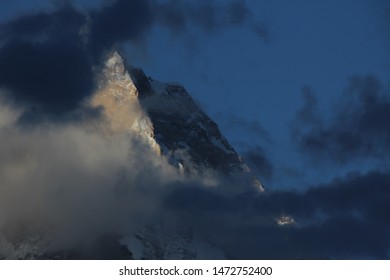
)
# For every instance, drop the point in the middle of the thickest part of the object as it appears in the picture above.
(118, 95)
(168, 118)
(116, 74)
(115, 60)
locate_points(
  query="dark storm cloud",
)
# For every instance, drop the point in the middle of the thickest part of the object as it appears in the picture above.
(42, 63)
(62, 25)
(46, 58)
(358, 127)
(28, 26)
(120, 21)
(53, 77)
(347, 218)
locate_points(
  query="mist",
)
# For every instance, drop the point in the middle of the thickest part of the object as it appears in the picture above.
(71, 182)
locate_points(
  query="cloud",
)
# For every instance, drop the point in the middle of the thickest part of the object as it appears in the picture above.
(45, 26)
(357, 128)
(70, 190)
(42, 63)
(52, 77)
(118, 22)
(345, 219)
(47, 58)
(67, 185)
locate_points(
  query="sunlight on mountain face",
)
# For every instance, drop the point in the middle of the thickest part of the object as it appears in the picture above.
(118, 96)
(165, 117)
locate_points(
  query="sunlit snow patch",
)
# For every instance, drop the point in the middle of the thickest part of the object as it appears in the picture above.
(285, 220)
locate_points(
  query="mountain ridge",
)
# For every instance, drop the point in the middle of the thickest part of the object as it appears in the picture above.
(168, 118)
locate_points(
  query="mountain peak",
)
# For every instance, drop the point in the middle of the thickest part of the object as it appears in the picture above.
(118, 96)
(167, 118)
(116, 64)
(114, 59)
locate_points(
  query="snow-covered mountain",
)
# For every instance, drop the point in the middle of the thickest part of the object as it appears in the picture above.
(166, 116)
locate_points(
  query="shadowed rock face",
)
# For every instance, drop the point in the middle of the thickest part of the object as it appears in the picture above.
(180, 125)
(167, 117)
(184, 133)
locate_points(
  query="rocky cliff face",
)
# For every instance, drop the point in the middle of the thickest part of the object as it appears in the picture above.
(119, 97)
(167, 117)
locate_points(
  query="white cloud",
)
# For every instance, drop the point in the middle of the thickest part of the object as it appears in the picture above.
(74, 182)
